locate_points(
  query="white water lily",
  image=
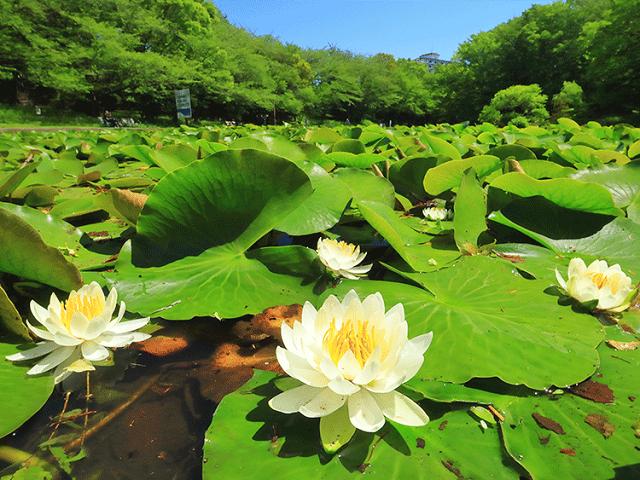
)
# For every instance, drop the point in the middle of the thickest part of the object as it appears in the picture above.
(351, 358)
(78, 332)
(342, 258)
(436, 213)
(607, 284)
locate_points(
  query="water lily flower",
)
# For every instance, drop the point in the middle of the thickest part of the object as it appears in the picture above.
(437, 213)
(351, 357)
(607, 284)
(342, 258)
(78, 332)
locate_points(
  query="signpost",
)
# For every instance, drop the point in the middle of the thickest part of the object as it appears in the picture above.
(183, 104)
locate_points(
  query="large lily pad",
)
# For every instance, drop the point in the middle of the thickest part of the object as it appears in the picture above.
(21, 396)
(322, 209)
(24, 253)
(288, 446)
(448, 175)
(616, 242)
(203, 218)
(565, 192)
(488, 321)
(623, 182)
(600, 440)
(232, 197)
(69, 240)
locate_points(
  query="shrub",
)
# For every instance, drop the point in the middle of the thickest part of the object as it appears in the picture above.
(568, 102)
(519, 105)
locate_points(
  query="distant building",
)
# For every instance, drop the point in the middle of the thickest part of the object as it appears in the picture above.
(431, 60)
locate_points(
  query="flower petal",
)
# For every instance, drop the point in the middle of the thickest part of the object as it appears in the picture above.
(297, 367)
(560, 280)
(325, 403)
(79, 324)
(94, 352)
(116, 341)
(291, 400)
(342, 387)
(52, 360)
(60, 338)
(348, 365)
(128, 326)
(401, 409)
(40, 313)
(336, 430)
(43, 348)
(364, 412)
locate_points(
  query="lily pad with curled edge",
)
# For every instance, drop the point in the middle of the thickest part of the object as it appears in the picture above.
(191, 256)
(488, 321)
(289, 446)
(423, 252)
(615, 242)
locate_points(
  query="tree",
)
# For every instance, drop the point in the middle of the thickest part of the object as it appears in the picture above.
(518, 105)
(569, 102)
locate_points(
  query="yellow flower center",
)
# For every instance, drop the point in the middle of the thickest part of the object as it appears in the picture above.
(600, 280)
(89, 305)
(357, 336)
(344, 247)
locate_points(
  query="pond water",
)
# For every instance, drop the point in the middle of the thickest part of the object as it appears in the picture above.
(148, 415)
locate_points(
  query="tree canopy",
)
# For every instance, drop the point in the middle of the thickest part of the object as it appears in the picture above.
(91, 55)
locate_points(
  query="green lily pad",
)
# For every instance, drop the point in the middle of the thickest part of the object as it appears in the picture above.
(448, 175)
(616, 242)
(470, 209)
(600, 440)
(289, 447)
(70, 241)
(564, 192)
(484, 325)
(24, 253)
(421, 251)
(322, 209)
(10, 320)
(623, 182)
(25, 396)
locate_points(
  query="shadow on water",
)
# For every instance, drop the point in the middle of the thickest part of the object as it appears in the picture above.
(157, 435)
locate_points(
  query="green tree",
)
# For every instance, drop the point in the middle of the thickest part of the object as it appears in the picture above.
(569, 101)
(518, 105)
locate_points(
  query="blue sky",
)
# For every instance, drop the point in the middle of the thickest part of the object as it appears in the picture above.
(404, 28)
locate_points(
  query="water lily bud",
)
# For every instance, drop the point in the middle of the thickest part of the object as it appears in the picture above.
(608, 285)
(79, 331)
(437, 213)
(342, 258)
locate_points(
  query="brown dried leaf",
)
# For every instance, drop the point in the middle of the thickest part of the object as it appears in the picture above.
(267, 324)
(568, 451)
(129, 204)
(623, 345)
(163, 345)
(594, 391)
(548, 423)
(601, 424)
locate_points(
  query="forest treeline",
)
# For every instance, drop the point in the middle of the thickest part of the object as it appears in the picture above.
(92, 55)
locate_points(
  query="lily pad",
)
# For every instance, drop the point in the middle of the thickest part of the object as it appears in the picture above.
(484, 325)
(288, 446)
(600, 440)
(24, 253)
(25, 396)
(423, 252)
(564, 192)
